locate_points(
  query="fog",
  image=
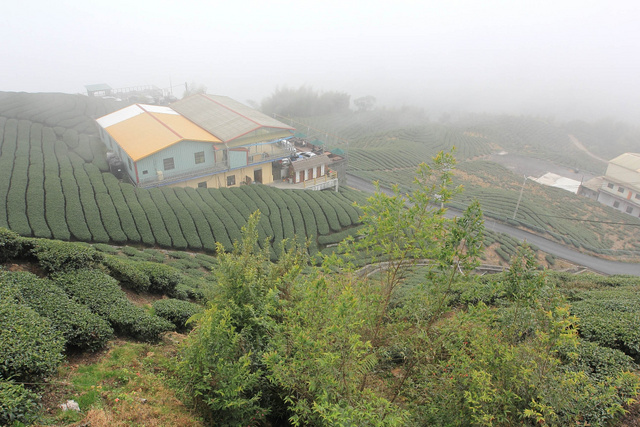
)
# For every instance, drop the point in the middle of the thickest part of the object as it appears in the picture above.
(568, 59)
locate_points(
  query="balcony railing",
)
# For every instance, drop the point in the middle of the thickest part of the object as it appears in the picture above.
(153, 181)
(271, 154)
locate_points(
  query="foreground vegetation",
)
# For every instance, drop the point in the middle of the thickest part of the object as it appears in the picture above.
(331, 347)
(287, 343)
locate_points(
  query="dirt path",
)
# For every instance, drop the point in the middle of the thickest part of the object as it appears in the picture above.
(579, 145)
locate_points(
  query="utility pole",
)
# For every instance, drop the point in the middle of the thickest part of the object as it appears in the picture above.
(520, 197)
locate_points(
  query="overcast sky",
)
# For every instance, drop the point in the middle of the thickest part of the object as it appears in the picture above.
(569, 58)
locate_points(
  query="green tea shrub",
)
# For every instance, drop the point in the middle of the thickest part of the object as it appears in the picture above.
(80, 328)
(30, 348)
(163, 279)
(10, 245)
(169, 218)
(176, 312)
(128, 273)
(598, 362)
(104, 297)
(17, 404)
(54, 255)
(184, 217)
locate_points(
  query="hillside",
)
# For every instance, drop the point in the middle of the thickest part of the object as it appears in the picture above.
(388, 145)
(54, 183)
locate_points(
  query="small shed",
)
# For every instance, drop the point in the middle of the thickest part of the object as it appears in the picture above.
(101, 89)
(310, 168)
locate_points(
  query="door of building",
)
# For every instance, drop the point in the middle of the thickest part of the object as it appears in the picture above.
(257, 176)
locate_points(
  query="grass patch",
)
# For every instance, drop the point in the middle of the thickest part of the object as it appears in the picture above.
(126, 385)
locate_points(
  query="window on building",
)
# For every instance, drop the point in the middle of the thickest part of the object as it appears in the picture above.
(199, 157)
(610, 185)
(145, 172)
(620, 190)
(638, 196)
(202, 184)
(629, 209)
(130, 164)
(616, 204)
(231, 180)
(168, 163)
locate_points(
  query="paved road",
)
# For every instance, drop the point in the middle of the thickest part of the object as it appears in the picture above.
(560, 251)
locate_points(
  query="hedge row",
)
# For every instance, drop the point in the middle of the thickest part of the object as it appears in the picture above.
(151, 211)
(203, 229)
(187, 225)
(122, 210)
(54, 198)
(30, 348)
(176, 311)
(55, 192)
(57, 256)
(92, 216)
(74, 212)
(104, 297)
(80, 328)
(169, 218)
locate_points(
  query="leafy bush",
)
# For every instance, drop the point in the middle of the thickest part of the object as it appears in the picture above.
(80, 327)
(17, 404)
(10, 245)
(54, 255)
(163, 279)
(176, 311)
(30, 348)
(128, 273)
(596, 361)
(104, 297)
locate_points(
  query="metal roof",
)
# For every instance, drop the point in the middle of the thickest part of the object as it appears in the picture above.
(97, 87)
(225, 118)
(142, 130)
(311, 162)
(554, 180)
(628, 160)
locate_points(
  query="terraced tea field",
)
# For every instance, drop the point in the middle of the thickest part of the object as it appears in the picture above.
(54, 183)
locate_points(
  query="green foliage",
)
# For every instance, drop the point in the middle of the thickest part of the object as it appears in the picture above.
(104, 297)
(17, 404)
(216, 372)
(10, 245)
(30, 348)
(176, 312)
(598, 362)
(163, 279)
(128, 273)
(80, 328)
(55, 256)
(220, 365)
(609, 318)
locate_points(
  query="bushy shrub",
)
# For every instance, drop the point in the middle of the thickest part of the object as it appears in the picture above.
(163, 279)
(30, 348)
(596, 361)
(80, 327)
(56, 256)
(17, 404)
(10, 245)
(104, 297)
(176, 312)
(128, 273)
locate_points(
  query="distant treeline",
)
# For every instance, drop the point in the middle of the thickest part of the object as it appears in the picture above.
(305, 102)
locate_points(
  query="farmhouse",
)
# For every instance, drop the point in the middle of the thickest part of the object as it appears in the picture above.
(201, 141)
(620, 186)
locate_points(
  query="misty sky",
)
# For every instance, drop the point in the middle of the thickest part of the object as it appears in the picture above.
(565, 57)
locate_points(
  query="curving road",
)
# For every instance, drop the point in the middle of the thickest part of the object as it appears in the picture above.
(593, 263)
